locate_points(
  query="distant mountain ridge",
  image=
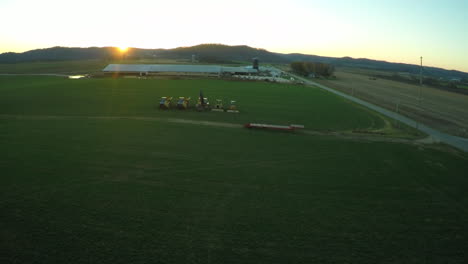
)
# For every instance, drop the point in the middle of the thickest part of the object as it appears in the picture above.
(217, 53)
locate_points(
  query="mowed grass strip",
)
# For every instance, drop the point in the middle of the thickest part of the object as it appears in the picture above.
(258, 102)
(133, 191)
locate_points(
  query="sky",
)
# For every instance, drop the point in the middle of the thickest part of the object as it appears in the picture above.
(391, 30)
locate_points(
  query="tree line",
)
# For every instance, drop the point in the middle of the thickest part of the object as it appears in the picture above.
(312, 68)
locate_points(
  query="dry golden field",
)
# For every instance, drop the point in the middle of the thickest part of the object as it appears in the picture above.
(443, 110)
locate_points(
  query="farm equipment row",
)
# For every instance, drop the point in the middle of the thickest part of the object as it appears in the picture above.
(183, 103)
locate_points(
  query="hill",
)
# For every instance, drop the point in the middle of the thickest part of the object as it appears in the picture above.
(217, 53)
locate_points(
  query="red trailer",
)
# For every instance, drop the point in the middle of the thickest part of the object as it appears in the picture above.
(273, 127)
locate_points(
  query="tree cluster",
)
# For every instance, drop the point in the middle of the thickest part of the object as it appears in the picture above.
(316, 68)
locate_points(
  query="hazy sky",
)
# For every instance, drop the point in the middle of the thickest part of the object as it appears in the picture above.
(393, 30)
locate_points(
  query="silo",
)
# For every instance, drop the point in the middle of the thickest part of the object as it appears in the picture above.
(255, 63)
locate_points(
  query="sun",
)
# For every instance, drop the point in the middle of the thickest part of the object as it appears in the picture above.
(123, 49)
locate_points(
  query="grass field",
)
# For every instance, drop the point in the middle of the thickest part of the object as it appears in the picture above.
(81, 66)
(81, 190)
(58, 67)
(69, 67)
(259, 102)
(443, 110)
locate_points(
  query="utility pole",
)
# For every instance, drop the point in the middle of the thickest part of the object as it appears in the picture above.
(420, 79)
(420, 73)
(397, 110)
(420, 88)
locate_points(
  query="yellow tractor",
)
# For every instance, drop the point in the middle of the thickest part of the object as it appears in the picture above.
(183, 103)
(232, 107)
(218, 107)
(165, 102)
(203, 103)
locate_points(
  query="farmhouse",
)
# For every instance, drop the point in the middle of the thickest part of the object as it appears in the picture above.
(176, 69)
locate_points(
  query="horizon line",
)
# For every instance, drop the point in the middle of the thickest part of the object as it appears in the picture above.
(241, 45)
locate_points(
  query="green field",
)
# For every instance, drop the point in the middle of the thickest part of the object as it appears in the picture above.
(78, 186)
(259, 102)
(77, 67)
(83, 66)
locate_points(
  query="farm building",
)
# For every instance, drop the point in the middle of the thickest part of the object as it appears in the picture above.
(176, 69)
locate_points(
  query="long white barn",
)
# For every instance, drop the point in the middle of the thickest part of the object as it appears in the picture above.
(175, 68)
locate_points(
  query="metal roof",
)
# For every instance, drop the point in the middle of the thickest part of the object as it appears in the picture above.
(174, 68)
(238, 70)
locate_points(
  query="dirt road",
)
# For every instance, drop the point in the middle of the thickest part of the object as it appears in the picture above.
(437, 136)
(443, 110)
